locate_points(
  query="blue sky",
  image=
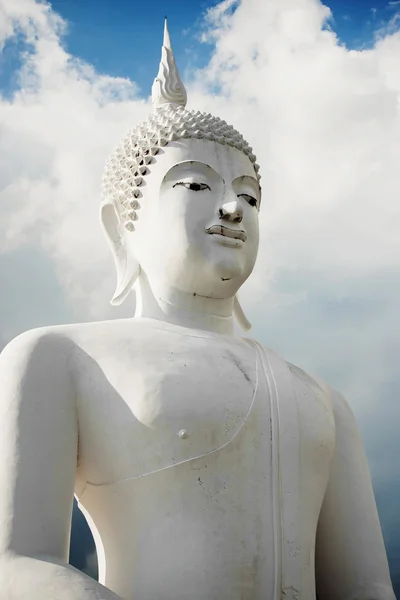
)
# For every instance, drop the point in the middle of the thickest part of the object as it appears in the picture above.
(331, 186)
(121, 37)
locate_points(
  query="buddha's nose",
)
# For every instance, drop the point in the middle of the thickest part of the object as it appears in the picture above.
(231, 211)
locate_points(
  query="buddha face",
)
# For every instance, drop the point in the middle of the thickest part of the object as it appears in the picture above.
(197, 221)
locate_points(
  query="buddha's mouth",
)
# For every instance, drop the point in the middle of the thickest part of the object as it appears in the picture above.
(236, 234)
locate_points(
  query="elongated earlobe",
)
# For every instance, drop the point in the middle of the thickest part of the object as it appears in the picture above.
(240, 316)
(127, 267)
(125, 283)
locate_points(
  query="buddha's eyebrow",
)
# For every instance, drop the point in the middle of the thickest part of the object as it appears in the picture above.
(252, 181)
(247, 178)
(193, 163)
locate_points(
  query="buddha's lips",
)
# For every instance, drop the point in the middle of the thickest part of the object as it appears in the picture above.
(237, 234)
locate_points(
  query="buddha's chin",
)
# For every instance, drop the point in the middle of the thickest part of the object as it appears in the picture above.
(218, 282)
(225, 280)
(219, 275)
(229, 268)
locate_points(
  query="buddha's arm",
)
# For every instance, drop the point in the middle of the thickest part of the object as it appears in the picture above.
(38, 449)
(351, 562)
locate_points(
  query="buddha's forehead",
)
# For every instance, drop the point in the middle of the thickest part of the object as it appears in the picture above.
(229, 163)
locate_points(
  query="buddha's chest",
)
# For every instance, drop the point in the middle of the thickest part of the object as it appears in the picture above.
(148, 408)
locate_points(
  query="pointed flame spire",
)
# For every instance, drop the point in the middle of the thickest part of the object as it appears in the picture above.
(168, 87)
(167, 39)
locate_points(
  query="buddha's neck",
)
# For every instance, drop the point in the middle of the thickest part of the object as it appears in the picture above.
(181, 308)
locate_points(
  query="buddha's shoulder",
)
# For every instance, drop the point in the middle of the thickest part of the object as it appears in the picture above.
(326, 393)
(331, 398)
(315, 383)
(96, 339)
(69, 336)
(322, 390)
(293, 371)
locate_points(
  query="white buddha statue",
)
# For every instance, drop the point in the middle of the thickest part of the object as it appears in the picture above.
(208, 468)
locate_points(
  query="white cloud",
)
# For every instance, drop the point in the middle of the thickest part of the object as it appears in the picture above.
(324, 122)
(56, 133)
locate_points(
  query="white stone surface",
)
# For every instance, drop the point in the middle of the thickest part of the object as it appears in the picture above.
(168, 86)
(208, 467)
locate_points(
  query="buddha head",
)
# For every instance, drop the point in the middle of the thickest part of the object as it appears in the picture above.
(181, 197)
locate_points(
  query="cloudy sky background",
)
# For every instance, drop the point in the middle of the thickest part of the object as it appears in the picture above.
(314, 88)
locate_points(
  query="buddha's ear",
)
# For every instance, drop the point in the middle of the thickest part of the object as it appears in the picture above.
(127, 267)
(240, 316)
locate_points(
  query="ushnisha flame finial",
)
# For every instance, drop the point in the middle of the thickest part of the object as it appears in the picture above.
(168, 87)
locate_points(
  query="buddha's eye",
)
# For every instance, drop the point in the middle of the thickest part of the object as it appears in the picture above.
(195, 187)
(250, 199)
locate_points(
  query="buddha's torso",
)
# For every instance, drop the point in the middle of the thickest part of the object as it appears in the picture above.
(175, 462)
